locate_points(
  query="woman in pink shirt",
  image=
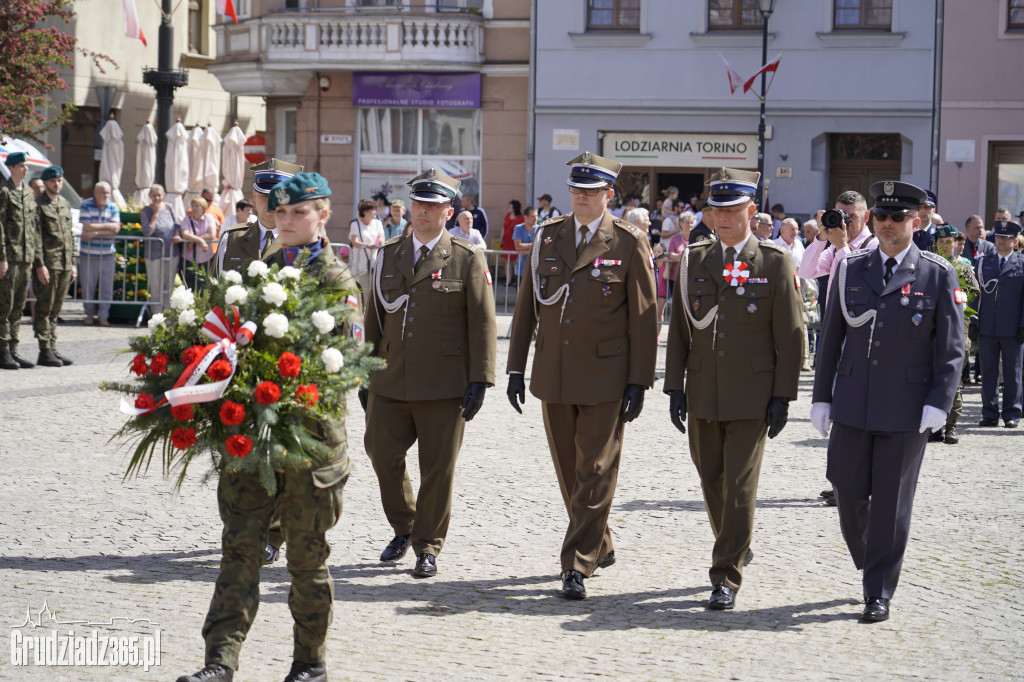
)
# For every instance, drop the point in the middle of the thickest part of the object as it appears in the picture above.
(197, 229)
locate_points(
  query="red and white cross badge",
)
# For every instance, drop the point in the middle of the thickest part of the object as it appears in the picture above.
(960, 296)
(736, 274)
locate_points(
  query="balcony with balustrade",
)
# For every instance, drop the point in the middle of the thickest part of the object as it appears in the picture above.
(275, 54)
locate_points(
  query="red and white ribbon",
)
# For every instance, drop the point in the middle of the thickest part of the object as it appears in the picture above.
(736, 274)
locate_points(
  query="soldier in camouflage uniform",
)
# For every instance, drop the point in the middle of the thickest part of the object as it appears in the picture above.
(19, 240)
(945, 243)
(308, 502)
(55, 265)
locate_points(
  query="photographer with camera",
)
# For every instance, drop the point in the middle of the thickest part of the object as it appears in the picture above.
(841, 231)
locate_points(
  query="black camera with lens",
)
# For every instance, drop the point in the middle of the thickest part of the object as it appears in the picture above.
(834, 218)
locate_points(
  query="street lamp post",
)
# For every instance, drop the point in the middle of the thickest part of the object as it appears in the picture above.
(766, 7)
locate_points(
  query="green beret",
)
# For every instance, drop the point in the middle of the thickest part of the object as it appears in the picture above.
(946, 231)
(14, 158)
(299, 187)
(51, 172)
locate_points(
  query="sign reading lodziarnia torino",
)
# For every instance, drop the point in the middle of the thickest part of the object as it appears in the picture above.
(681, 150)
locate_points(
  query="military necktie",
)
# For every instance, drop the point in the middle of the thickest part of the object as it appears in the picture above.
(583, 241)
(423, 257)
(1002, 263)
(270, 240)
(730, 255)
(890, 265)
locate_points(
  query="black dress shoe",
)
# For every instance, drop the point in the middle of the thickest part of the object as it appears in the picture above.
(828, 493)
(213, 672)
(875, 610)
(396, 549)
(270, 555)
(606, 560)
(831, 501)
(988, 422)
(22, 362)
(63, 358)
(1011, 423)
(426, 566)
(722, 598)
(951, 437)
(572, 585)
(936, 436)
(307, 672)
(748, 557)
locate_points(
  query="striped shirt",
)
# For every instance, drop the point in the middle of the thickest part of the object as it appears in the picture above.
(90, 213)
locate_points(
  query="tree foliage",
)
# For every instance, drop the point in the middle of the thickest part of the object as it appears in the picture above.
(31, 57)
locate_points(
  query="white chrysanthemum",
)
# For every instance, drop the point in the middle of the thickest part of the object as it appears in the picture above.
(156, 320)
(333, 360)
(232, 276)
(236, 294)
(276, 325)
(258, 268)
(187, 317)
(274, 294)
(323, 321)
(289, 271)
(182, 297)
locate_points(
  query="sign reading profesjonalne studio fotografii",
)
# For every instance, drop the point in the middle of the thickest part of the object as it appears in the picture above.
(402, 89)
(681, 150)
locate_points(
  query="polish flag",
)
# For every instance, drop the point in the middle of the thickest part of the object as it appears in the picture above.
(132, 27)
(770, 67)
(735, 80)
(227, 8)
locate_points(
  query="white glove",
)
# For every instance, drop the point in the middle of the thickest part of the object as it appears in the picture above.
(821, 417)
(932, 419)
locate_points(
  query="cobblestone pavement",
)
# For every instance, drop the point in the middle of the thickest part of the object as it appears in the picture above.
(94, 547)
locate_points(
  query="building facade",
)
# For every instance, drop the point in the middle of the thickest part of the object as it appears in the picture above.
(98, 27)
(644, 82)
(371, 92)
(981, 150)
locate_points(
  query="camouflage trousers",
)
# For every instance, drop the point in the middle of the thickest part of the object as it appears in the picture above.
(49, 302)
(958, 400)
(307, 511)
(13, 292)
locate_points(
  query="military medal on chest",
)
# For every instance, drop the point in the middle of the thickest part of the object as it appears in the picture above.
(905, 297)
(436, 276)
(736, 275)
(599, 262)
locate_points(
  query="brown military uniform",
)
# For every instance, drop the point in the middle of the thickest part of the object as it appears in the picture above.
(593, 340)
(747, 352)
(440, 340)
(239, 246)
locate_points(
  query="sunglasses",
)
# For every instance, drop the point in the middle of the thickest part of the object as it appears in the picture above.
(897, 218)
(591, 192)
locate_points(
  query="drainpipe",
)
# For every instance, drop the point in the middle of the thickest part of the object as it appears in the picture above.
(531, 100)
(933, 171)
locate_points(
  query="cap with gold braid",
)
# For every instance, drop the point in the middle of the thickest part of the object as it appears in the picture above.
(590, 171)
(433, 187)
(730, 187)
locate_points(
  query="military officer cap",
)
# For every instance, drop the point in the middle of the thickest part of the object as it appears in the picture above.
(268, 174)
(1005, 228)
(14, 158)
(51, 172)
(931, 199)
(896, 196)
(299, 187)
(731, 187)
(433, 187)
(589, 171)
(946, 231)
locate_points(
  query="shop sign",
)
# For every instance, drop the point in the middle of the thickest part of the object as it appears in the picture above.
(401, 89)
(681, 150)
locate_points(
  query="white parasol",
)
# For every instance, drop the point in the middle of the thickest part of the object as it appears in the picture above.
(233, 165)
(112, 160)
(176, 168)
(211, 160)
(195, 164)
(145, 163)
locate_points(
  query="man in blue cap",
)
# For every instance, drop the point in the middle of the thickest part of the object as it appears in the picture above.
(999, 327)
(241, 244)
(56, 264)
(19, 242)
(889, 359)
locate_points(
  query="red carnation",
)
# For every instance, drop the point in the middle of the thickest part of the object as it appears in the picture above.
(308, 394)
(145, 402)
(181, 412)
(183, 438)
(231, 414)
(289, 364)
(159, 364)
(139, 365)
(219, 370)
(238, 446)
(191, 355)
(267, 392)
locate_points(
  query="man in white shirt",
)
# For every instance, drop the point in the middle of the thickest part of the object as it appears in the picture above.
(787, 240)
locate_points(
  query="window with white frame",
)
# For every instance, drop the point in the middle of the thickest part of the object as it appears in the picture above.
(870, 15)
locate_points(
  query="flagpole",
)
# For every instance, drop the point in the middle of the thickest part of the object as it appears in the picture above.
(765, 7)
